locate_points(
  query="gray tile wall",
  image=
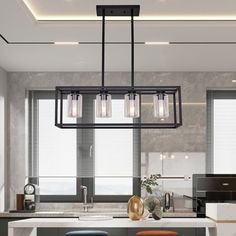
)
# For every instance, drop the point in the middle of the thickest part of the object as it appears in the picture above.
(191, 137)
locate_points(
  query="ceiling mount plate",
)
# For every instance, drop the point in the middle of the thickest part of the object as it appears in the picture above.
(118, 10)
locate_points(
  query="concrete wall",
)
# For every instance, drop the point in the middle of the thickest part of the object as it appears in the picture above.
(190, 139)
(3, 125)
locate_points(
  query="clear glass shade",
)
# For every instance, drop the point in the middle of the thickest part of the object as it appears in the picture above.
(161, 105)
(131, 105)
(103, 105)
(75, 105)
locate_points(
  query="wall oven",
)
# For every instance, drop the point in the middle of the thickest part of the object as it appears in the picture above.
(212, 188)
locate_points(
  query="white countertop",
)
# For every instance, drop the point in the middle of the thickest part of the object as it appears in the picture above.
(114, 223)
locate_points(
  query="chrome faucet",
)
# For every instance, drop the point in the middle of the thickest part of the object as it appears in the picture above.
(86, 206)
(169, 202)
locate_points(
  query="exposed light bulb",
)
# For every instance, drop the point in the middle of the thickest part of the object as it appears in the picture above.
(131, 107)
(104, 107)
(161, 108)
(74, 108)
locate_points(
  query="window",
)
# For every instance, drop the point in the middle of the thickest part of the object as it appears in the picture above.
(105, 160)
(56, 154)
(109, 161)
(221, 121)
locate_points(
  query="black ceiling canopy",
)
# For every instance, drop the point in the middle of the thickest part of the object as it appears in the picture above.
(118, 10)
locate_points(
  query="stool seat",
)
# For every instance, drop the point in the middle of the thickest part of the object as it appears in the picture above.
(87, 233)
(157, 233)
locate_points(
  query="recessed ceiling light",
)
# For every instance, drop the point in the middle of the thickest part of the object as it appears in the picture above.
(233, 80)
(157, 43)
(66, 43)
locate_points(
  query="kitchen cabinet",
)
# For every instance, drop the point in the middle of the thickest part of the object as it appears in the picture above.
(4, 225)
(41, 232)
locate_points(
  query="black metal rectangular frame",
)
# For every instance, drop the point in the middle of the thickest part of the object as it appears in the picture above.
(175, 91)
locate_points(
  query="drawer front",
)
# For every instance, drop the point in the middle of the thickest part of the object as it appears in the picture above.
(216, 184)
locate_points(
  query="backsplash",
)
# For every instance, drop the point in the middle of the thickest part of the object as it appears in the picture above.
(119, 207)
(188, 140)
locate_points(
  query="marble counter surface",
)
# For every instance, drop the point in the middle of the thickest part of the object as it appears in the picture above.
(114, 223)
(75, 214)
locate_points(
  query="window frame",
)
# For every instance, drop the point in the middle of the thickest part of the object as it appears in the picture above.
(33, 96)
(211, 96)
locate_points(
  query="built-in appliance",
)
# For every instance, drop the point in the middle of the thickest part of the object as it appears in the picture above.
(31, 196)
(212, 188)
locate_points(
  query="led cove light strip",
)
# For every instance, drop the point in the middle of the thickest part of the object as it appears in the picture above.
(144, 18)
(66, 43)
(157, 43)
(39, 17)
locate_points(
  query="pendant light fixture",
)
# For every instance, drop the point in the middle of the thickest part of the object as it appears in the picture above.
(103, 104)
(131, 99)
(161, 105)
(166, 100)
(103, 99)
(74, 105)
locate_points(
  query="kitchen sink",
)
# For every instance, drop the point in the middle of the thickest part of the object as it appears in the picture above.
(49, 212)
(95, 218)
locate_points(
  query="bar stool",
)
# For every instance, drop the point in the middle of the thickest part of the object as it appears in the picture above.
(87, 233)
(157, 233)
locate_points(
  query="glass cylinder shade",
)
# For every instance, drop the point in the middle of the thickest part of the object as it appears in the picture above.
(131, 105)
(74, 105)
(161, 105)
(103, 105)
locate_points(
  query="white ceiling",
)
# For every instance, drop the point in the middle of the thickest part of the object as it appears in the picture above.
(19, 24)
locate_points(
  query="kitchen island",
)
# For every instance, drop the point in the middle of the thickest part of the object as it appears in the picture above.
(29, 227)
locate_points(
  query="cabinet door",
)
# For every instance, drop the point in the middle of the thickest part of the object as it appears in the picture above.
(4, 225)
(48, 232)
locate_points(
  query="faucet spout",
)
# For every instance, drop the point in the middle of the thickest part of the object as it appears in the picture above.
(85, 193)
(86, 206)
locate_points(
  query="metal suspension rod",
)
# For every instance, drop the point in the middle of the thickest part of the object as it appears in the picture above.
(103, 47)
(132, 48)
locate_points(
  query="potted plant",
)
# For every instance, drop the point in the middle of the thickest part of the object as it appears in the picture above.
(151, 202)
(153, 205)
